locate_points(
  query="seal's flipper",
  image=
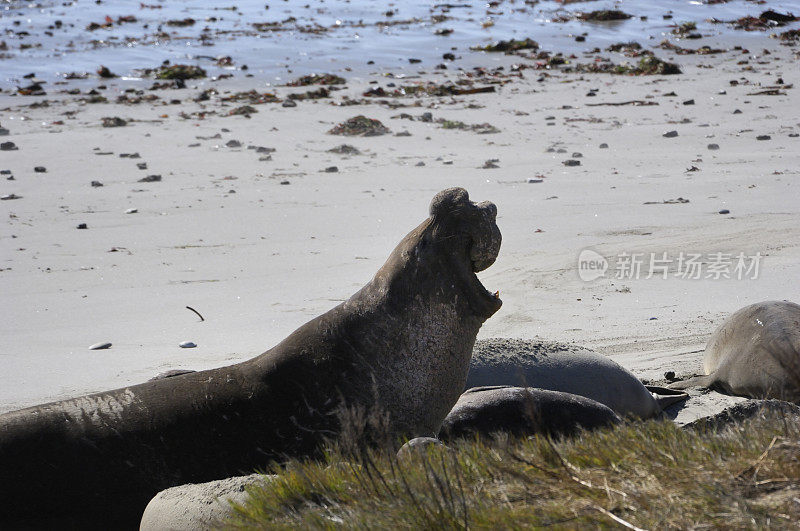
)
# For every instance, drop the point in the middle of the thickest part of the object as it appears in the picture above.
(695, 381)
(665, 396)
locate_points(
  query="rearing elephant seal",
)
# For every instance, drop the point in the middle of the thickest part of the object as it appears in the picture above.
(402, 343)
(755, 352)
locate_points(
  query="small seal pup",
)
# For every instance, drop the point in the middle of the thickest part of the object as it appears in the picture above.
(523, 411)
(400, 345)
(755, 353)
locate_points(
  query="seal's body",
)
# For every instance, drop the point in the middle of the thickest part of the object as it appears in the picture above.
(755, 353)
(401, 344)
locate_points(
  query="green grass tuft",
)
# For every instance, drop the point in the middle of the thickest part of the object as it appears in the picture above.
(650, 475)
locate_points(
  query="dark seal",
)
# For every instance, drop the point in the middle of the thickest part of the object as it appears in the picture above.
(401, 344)
(523, 411)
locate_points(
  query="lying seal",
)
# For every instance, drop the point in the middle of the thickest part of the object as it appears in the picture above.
(523, 411)
(198, 506)
(755, 353)
(400, 345)
(566, 368)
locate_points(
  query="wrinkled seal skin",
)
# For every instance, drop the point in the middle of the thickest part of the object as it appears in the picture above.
(403, 343)
(755, 353)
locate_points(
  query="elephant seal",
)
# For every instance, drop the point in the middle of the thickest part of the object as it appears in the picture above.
(523, 411)
(400, 346)
(754, 353)
(566, 368)
(200, 506)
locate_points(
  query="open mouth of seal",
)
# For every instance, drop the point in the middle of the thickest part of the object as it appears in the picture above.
(493, 298)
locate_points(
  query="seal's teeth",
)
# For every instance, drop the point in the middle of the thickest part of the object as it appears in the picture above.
(497, 294)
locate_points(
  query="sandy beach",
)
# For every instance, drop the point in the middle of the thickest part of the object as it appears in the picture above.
(259, 241)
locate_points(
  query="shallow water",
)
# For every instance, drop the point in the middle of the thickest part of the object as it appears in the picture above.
(328, 35)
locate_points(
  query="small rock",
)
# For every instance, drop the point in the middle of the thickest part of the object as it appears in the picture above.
(577, 155)
(4, 131)
(40, 169)
(688, 102)
(713, 147)
(289, 103)
(96, 184)
(114, 121)
(187, 344)
(490, 164)
(82, 226)
(763, 137)
(8, 146)
(737, 111)
(420, 163)
(603, 146)
(9, 197)
(132, 211)
(150, 179)
(100, 346)
(447, 161)
(724, 211)
(285, 182)
(233, 144)
(580, 38)
(571, 162)
(5, 172)
(670, 134)
(331, 169)
(669, 375)
(532, 180)
(141, 165)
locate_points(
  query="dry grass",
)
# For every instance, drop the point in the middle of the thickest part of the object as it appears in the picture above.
(650, 475)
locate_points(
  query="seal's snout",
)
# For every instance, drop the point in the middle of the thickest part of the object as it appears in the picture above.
(486, 237)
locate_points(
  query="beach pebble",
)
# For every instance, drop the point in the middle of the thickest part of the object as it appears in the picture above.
(713, 147)
(737, 111)
(603, 146)
(669, 375)
(577, 155)
(688, 102)
(8, 146)
(233, 144)
(141, 165)
(132, 211)
(5, 172)
(571, 162)
(150, 179)
(447, 161)
(100, 346)
(532, 180)
(4, 131)
(96, 184)
(40, 169)
(8, 197)
(331, 169)
(420, 163)
(187, 344)
(289, 103)
(82, 226)
(763, 137)
(285, 182)
(670, 134)
(724, 211)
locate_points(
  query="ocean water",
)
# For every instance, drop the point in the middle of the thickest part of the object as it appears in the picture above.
(51, 39)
